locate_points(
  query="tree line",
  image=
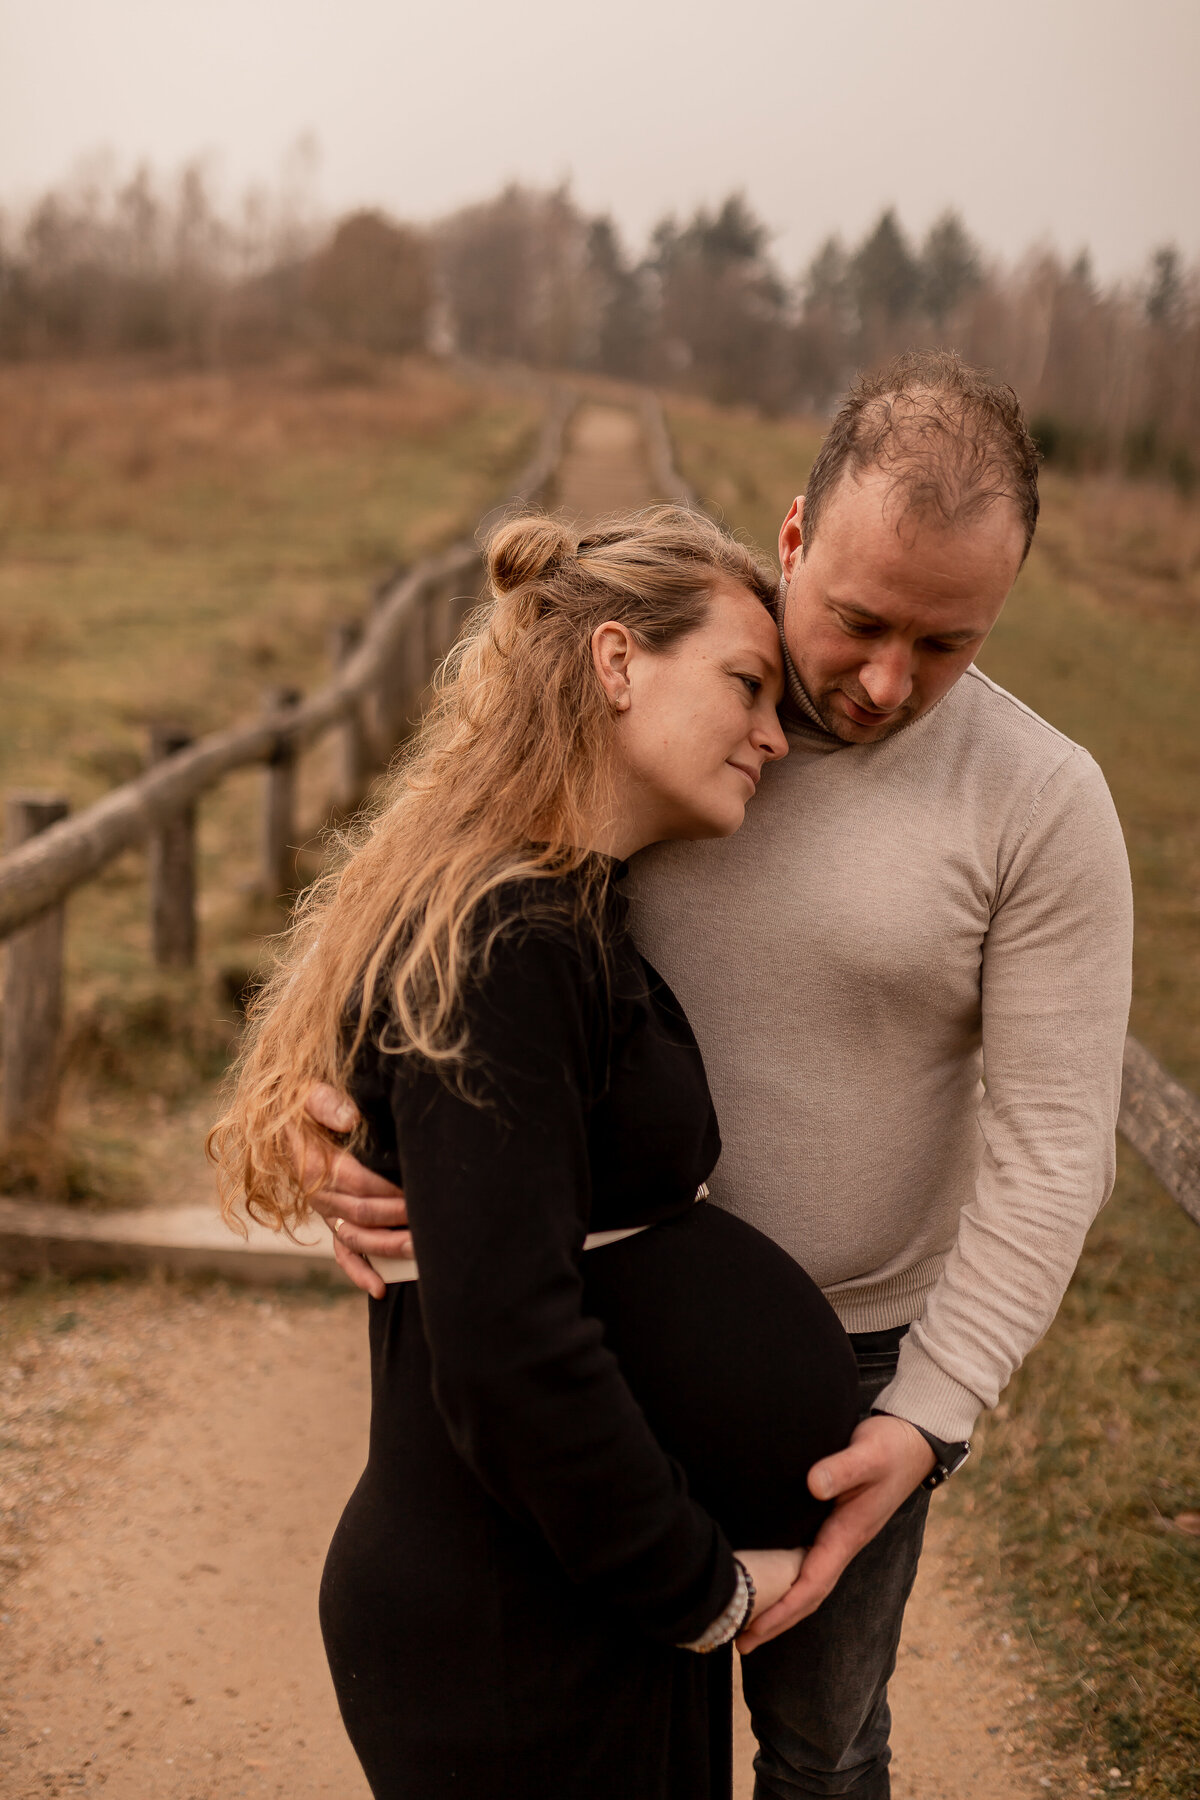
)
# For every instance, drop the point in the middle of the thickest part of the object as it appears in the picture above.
(1109, 373)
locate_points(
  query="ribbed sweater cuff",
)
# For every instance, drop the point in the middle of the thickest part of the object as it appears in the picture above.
(926, 1396)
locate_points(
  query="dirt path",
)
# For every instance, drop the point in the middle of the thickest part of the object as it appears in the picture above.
(172, 1462)
(175, 1462)
(163, 1641)
(604, 468)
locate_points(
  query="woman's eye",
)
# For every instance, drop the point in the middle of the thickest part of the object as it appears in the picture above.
(752, 682)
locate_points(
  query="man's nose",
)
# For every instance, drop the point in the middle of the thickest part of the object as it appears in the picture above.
(888, 677)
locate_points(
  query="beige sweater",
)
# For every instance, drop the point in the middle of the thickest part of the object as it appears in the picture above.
(894, 924)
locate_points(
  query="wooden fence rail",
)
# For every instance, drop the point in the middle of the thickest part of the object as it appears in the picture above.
(668, 483)
(1160, 1118)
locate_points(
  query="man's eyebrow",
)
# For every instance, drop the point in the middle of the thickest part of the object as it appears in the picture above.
(864, 613)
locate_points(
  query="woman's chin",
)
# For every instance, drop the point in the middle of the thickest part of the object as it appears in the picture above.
(721, 822)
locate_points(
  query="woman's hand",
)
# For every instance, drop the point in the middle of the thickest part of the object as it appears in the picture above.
(773, 1573)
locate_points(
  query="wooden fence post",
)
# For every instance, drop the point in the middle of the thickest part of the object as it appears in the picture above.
(354, 747)
(33, 989)
(278, 855)
(172, 862)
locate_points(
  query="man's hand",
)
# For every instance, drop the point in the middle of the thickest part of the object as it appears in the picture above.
(366, 1214)
(886, 1459)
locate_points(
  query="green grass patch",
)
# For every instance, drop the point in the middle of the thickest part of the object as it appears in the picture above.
(1070, 1513)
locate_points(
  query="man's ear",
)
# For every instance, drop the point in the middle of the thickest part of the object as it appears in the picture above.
(612, 646)
(791, 537)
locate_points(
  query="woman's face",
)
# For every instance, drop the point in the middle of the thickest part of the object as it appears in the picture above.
(696, 722)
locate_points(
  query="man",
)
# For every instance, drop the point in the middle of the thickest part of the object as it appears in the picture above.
(930, 894)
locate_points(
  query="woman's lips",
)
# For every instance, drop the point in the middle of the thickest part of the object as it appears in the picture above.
(752, 775)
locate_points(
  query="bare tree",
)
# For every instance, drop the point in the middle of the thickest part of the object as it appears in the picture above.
(372, 284)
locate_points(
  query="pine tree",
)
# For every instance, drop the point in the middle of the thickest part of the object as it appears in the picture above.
(885, 277)
(1166, 286)
(949, 267)
(826, 280)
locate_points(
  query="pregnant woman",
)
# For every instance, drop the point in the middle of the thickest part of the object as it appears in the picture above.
(595, 1399)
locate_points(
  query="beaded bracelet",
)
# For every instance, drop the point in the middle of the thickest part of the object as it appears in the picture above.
(733, 1620)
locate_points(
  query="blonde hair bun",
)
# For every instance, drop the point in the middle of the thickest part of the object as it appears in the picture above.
(523, 550)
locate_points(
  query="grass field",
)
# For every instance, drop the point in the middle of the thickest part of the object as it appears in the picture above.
(171, 544)
(1070, 1511)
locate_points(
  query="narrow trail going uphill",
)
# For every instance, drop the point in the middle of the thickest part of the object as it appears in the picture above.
(604, 468)
(187, 1453)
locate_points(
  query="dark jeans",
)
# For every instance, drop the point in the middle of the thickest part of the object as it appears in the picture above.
(818, 1694)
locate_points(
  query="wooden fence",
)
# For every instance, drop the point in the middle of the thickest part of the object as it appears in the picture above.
(382, 669)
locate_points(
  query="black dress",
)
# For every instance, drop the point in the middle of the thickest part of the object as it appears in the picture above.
(503, 1596)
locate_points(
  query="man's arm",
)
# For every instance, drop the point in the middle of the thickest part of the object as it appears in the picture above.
(1055, 993)
(365, 1212)
(1055, 1005)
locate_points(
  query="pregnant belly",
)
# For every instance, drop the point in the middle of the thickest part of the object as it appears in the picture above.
(738, 1362)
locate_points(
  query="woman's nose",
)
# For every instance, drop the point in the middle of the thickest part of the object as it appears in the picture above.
(769, 740)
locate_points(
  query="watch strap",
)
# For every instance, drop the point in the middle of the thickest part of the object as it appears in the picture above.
(949, 1457)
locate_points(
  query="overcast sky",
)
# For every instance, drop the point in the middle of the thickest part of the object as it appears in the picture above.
(1073, 121)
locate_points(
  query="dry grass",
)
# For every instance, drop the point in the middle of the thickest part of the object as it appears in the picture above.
(747, 469)
(1135, 544)
(1069, 1514)
(171, 543)
(1082, 1508)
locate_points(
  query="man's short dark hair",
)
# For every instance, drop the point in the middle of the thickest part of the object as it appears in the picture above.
(952, 439)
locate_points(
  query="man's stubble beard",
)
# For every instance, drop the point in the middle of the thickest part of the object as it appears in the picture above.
(841, 727)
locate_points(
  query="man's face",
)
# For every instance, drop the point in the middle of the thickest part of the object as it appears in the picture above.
(886, 610)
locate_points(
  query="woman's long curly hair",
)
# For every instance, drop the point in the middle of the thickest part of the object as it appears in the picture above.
(506, 779)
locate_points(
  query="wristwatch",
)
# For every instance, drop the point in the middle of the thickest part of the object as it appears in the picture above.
(949, 1457)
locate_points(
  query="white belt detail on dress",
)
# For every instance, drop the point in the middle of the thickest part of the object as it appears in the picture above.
(404, 1268)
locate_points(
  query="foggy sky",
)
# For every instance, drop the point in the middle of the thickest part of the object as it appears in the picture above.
(1069, 121)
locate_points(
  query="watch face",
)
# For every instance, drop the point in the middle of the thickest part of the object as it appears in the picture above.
(950, 1458)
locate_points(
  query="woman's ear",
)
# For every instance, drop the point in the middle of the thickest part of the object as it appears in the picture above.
(612, 646)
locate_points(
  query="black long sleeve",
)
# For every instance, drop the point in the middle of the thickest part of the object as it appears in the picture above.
(499, 1190)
